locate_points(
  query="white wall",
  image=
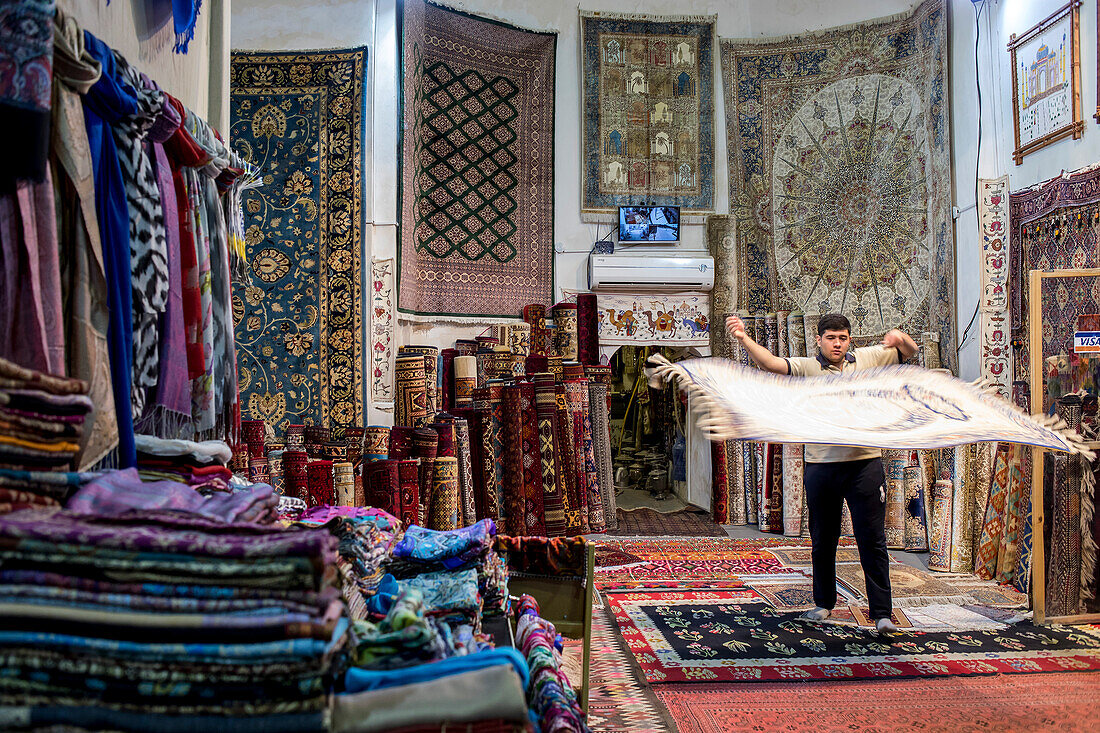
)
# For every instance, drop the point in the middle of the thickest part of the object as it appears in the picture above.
(1000, 19)
(146, 42)
(736, 19)
(286, 25)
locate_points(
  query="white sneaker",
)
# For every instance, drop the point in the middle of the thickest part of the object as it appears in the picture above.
(885, 626)
(816, 614)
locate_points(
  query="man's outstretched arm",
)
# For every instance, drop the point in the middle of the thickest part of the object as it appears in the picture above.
(760, 354)
(900, 340)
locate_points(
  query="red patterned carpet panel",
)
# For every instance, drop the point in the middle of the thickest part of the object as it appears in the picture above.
(1005, 704)
(618, 701)
(646, 522)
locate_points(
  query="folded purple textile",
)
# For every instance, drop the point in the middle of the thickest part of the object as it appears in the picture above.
(168, 531)
(321, 514)
(117, 492)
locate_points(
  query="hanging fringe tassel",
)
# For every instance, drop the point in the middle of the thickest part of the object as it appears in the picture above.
(188, 34)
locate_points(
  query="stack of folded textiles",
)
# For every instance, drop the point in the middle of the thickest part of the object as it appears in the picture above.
(166, 621)
(41, 424)
(482, 691)
(367, 538)
(459, 567)
(112, 493)
(550, 694)
(404, 635)
(38, 489)
(202, 466)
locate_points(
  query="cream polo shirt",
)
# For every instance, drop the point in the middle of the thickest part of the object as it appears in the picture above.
(819, 366)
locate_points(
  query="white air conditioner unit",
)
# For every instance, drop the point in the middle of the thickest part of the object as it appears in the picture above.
(652, 272)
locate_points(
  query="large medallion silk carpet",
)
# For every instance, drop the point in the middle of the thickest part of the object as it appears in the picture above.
(477, 155)
(1006, 704)
(836, 132)
(298, 319)
(696, 636)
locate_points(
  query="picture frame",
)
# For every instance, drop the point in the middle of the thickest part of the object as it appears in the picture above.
(1046, 81)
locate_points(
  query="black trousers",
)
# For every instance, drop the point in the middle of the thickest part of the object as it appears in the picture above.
(861, 484)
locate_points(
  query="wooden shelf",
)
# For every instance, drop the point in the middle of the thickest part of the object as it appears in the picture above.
(1080, 618)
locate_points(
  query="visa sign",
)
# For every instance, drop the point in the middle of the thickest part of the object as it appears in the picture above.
(1086, 342)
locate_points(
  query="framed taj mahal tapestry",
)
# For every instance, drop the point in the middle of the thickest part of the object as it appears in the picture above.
(648, 112)
(1046, 81)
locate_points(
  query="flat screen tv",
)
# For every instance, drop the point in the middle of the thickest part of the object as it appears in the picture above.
(649, 223)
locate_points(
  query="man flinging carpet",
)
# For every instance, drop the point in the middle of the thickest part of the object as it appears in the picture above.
(837, 473)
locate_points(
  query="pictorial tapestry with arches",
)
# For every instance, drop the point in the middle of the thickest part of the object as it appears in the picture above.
(648, 111)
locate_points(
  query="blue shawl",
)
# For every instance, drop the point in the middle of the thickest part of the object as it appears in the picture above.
(104, 104)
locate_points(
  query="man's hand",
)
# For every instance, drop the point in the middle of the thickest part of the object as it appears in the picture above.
(896, 339)
(893, 339)
(736, 327)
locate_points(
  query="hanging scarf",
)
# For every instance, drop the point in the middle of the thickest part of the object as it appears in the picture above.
(105, 103)
(200, 341)
(185, 14)
(202, 388)
(222, 362)
(148, 246)
(26, 53)
(31, 330)
(84, 285)
(173, 397)
(182, 154)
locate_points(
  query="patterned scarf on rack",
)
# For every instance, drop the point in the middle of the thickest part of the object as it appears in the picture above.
(222, 363)
(148, 243)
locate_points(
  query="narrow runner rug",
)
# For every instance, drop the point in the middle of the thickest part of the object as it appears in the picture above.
(477, 160)
(894, 463)
(381, 330)
(993, 316)
(916, 511)
(298, 320)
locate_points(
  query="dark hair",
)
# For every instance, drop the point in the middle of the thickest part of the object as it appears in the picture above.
(832, 322)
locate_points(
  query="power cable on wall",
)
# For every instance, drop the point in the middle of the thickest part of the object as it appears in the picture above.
(977, 157)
